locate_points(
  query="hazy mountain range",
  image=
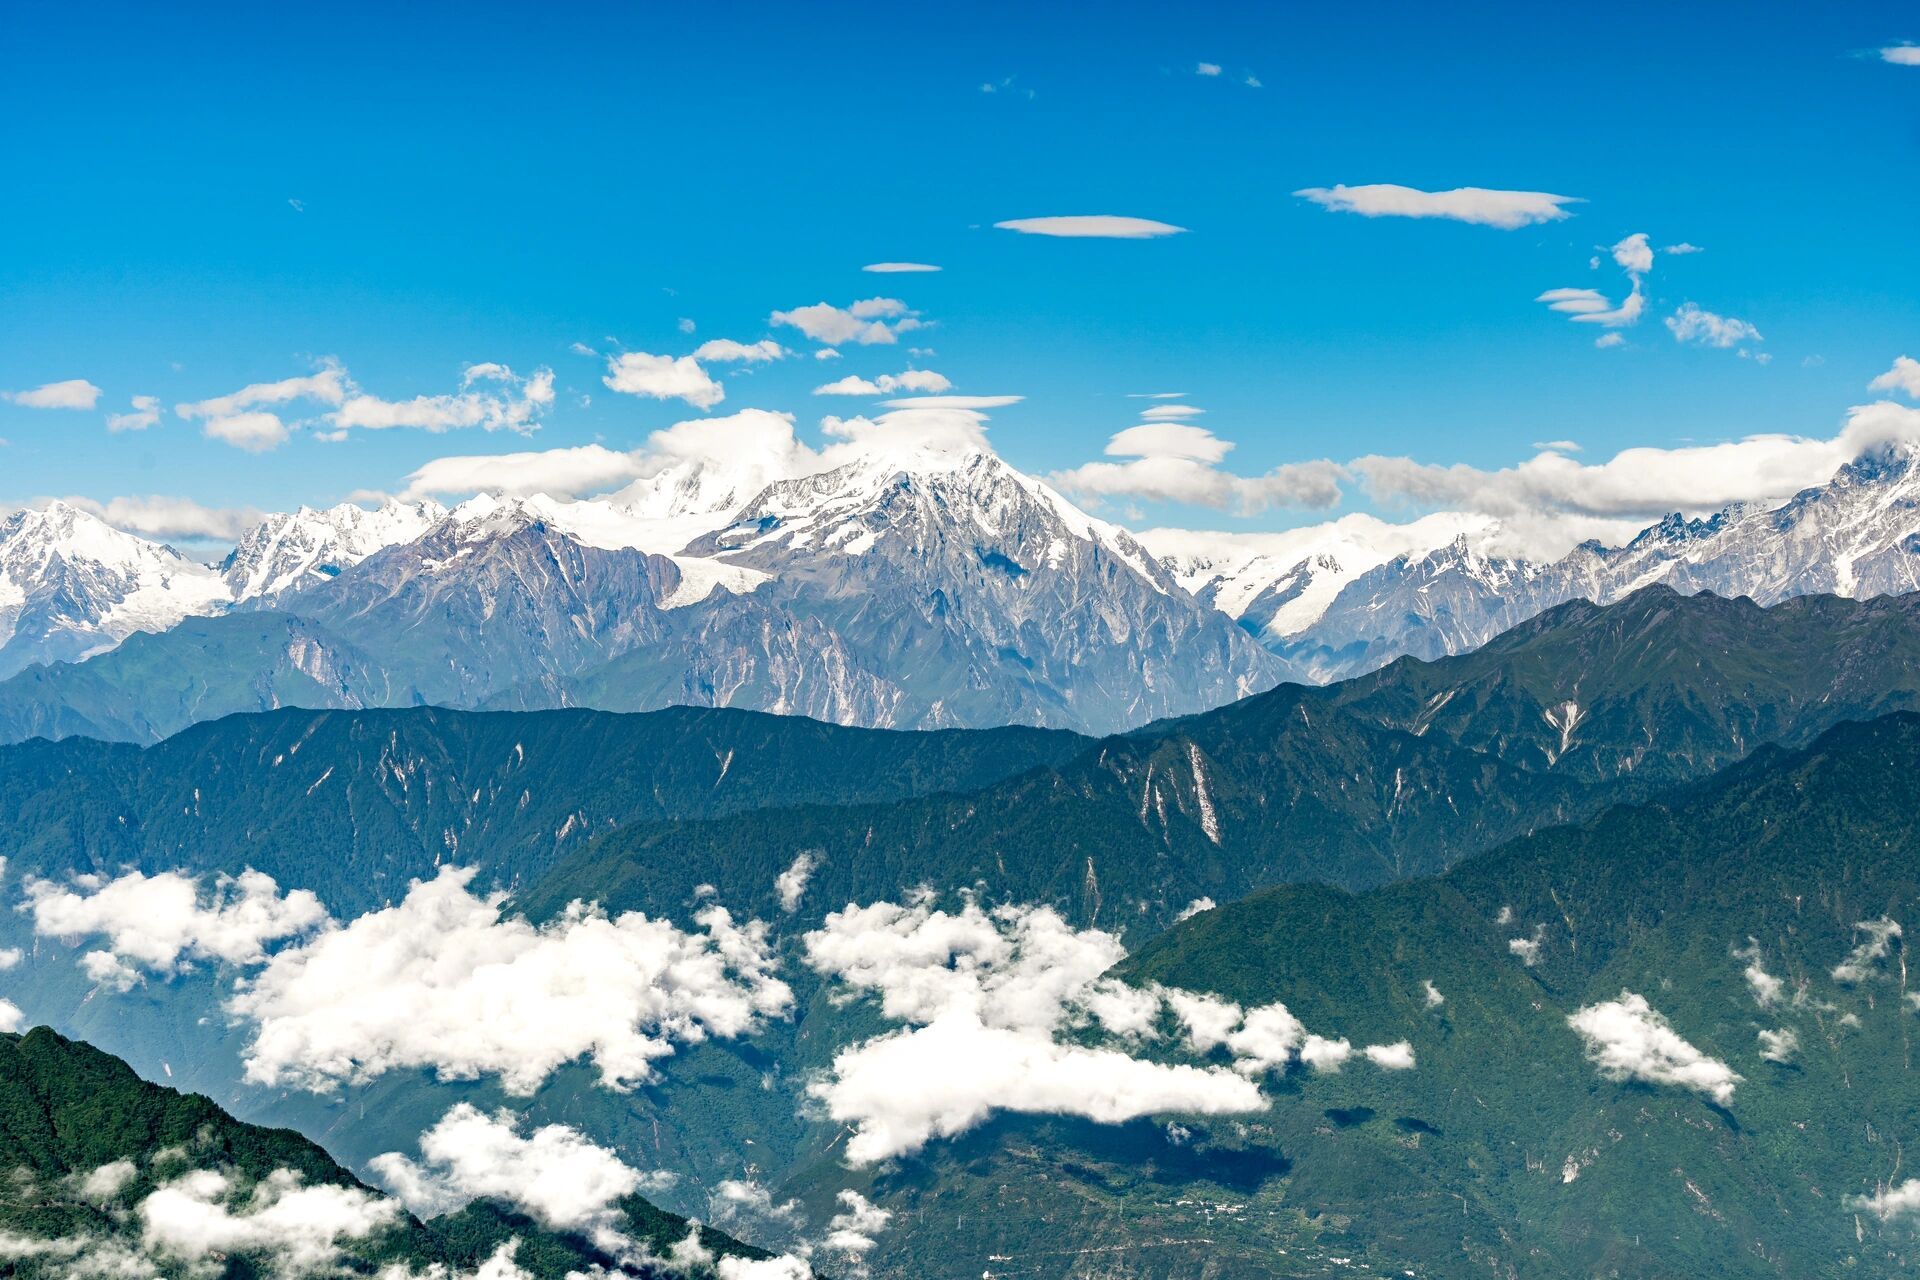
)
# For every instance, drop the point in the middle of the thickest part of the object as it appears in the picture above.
(939, 589)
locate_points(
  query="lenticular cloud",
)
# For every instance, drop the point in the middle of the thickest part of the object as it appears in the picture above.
(445, 981)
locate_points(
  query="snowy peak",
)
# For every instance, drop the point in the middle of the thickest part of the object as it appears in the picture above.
(71, 585)
(912, 507)
(289, 551)
(1280, 584)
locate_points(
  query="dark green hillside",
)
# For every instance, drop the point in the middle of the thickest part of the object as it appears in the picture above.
(353, 804)
(1397, 774)
(67, 1109)
(1789, 850)
(1658, 688)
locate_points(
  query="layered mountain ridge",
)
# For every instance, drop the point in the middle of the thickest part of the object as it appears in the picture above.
(920, 589)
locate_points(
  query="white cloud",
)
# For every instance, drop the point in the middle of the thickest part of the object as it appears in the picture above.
(1607, 341)
(555, 1174)
(1101, 226)
(1901, 55)
(1766, 988)
(162, 516)
(851, 1231)
(1207, 69)
(1866, 959)
(1888, 1203)
(1634, 255)
(1904, 377)
(163, 922)
(903, 1089)
(953, 402)
(791, 885)
(784, 1267)
(1507, 210)
(239, 418)
(516, 409)
(984, 995)
(1397, 1056)
(303, 1227)
(145, 413)
(1194, 908)
(1179, 462)
(1323, 1055)
(864, 322)
(1643, 484)
(1528, 949)
(1432, 994)
(1779, 1046)
(638, 373)
(74, 393)
(1626, 1039)
(11, 1018)
(1171, 412)
(895, 268)
(1692, 324)
(443, 981)
(107, 1181)
(826, 353)
(256, 431)
(1682, 248)
(328, 385)
(905, 435)
(561, 473)
(721, 350)
(1576, 301)
(920, 380)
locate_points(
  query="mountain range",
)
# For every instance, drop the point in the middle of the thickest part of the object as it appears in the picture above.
(1600, 823)
(938, 589)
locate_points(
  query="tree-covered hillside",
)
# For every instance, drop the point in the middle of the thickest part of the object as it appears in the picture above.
(109, 1174)
(1758, 916)
(354, 804)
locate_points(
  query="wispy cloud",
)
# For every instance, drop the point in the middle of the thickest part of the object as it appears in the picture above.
(1481, 206)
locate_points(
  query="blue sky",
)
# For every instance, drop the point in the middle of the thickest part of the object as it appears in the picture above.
(197, 204)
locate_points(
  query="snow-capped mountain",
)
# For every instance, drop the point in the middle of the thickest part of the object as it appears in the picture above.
(980, 595)
(72, 586)
(1857, 535)
(286, 552)
(914, 587)
(1279, 584)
